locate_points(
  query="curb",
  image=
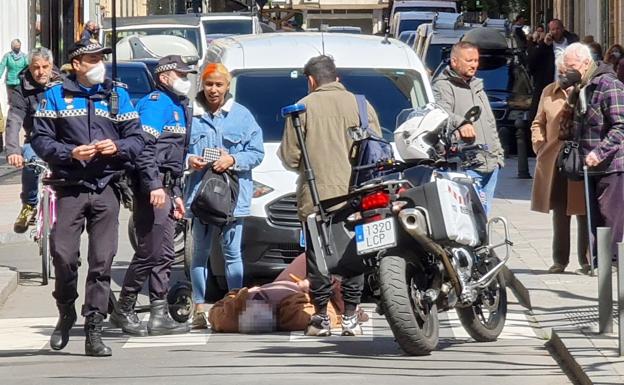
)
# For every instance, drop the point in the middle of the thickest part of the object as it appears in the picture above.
(567, 359)
(8, 283)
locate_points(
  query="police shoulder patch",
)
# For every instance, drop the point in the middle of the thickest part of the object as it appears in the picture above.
(154, 95)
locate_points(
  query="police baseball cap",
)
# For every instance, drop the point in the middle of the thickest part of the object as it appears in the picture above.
(174, 63)
(87, 46)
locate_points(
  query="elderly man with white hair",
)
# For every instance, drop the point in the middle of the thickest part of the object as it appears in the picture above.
(598, 124)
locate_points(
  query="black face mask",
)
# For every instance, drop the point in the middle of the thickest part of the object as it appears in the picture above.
(16, 50)
(569, 79)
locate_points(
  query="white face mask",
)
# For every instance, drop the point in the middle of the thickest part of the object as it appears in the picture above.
(181, 86)
(96, 74)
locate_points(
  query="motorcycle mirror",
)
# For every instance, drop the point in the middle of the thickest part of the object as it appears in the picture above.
(473, 114)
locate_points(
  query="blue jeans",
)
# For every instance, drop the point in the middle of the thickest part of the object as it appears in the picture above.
(487, 182)
(202, 245)
(30, 187)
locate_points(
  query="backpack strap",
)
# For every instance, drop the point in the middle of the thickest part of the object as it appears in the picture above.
(362, 111)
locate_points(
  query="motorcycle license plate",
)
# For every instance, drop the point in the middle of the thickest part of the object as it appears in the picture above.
(370, 237)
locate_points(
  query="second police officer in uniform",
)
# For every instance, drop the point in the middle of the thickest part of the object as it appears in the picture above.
(165, 118)
(87, 130)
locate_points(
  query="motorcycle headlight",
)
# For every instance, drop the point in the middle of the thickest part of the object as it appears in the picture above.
(260, 189)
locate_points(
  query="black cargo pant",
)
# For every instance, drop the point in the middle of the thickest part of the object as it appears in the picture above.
(321, 285)
(606, 197)
(155, 251)
(76, 206)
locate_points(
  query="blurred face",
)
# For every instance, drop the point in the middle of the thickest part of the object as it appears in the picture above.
(215, 87)
(466, 62)
(573, 62)
(540, 29)
(86, 62)
(16, 47)
(41, 70)
(556, 30)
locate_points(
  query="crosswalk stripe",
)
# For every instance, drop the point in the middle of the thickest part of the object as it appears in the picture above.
(25, 333)
(195, 337)
(516, 326)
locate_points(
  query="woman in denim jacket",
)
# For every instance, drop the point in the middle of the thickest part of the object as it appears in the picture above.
(219, 122)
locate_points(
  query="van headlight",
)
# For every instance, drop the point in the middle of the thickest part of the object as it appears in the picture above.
(260, 190)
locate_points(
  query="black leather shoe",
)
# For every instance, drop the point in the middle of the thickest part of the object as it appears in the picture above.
(67, 319)
(93, 332)
(161, 323)
(126, 318)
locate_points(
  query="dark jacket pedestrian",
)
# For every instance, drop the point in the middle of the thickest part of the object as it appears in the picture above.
(88, 141)
(541, 60)
(24, 101)
(166, 120)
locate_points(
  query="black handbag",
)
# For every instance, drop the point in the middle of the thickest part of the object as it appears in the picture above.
(570, 161)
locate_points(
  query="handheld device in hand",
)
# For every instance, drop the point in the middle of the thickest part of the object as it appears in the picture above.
(211, 154)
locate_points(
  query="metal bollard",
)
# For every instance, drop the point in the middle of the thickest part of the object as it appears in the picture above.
(605, 293)
(621, 298)
(523, 151)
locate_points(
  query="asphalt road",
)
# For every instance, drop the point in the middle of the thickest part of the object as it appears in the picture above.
(28, 317)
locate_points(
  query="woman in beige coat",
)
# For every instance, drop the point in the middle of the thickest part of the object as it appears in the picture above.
(551, 190)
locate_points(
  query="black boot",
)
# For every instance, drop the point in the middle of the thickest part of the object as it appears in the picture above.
(67, 319)
(161, 323)
(126, 318)
(93, 332)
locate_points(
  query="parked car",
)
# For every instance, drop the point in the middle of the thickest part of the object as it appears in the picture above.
(410, 21)
(264, 80)
(136, 76)
(233, 23)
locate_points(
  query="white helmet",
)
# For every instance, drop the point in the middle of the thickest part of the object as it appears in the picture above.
(417, 135)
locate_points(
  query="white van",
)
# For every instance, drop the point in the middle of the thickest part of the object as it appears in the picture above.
(421, 6)
(409, 21)
(267, 75)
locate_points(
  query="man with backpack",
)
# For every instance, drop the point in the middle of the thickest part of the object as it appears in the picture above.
(165, 118)
(331, 111)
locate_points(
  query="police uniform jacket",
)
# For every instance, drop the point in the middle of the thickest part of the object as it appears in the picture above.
(71, 115)
(165, 119)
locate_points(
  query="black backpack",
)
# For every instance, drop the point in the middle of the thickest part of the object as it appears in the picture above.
(368, 151)
(215, 201)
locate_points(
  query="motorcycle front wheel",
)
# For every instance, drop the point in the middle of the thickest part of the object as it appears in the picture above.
(413, 320)
(484, 320)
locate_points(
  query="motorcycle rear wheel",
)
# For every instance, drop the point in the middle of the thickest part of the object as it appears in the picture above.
(414, 322)
(485, 319)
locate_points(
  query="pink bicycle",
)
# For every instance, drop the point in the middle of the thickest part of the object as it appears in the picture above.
(46, 216)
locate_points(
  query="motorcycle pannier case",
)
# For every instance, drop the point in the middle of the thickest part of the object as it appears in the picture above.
(450, 211)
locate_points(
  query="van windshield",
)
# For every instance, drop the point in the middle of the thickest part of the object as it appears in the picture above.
(434, 55)
(265, 92)
(411, 25)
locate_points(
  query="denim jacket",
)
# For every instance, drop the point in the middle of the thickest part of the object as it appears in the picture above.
(235, 129)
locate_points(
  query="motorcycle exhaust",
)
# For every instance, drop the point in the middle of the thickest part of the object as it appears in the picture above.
(414, 221)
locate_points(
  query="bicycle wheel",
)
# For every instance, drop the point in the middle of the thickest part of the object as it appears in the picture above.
(44, 240)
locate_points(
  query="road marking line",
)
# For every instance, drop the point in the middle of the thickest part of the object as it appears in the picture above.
(195, 337)
(367, 333)
(25, 333)
(516, 326)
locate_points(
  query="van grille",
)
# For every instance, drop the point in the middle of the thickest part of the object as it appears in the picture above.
(283, 212)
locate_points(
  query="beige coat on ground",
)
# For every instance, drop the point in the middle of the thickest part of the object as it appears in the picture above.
(330, 111)
(546, 144)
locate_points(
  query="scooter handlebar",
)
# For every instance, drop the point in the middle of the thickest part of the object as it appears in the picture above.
(293, 109)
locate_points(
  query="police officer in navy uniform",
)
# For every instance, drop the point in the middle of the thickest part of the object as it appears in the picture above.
(165, 119)
(87, 130)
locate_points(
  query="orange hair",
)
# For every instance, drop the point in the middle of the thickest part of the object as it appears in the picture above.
(215, 67)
